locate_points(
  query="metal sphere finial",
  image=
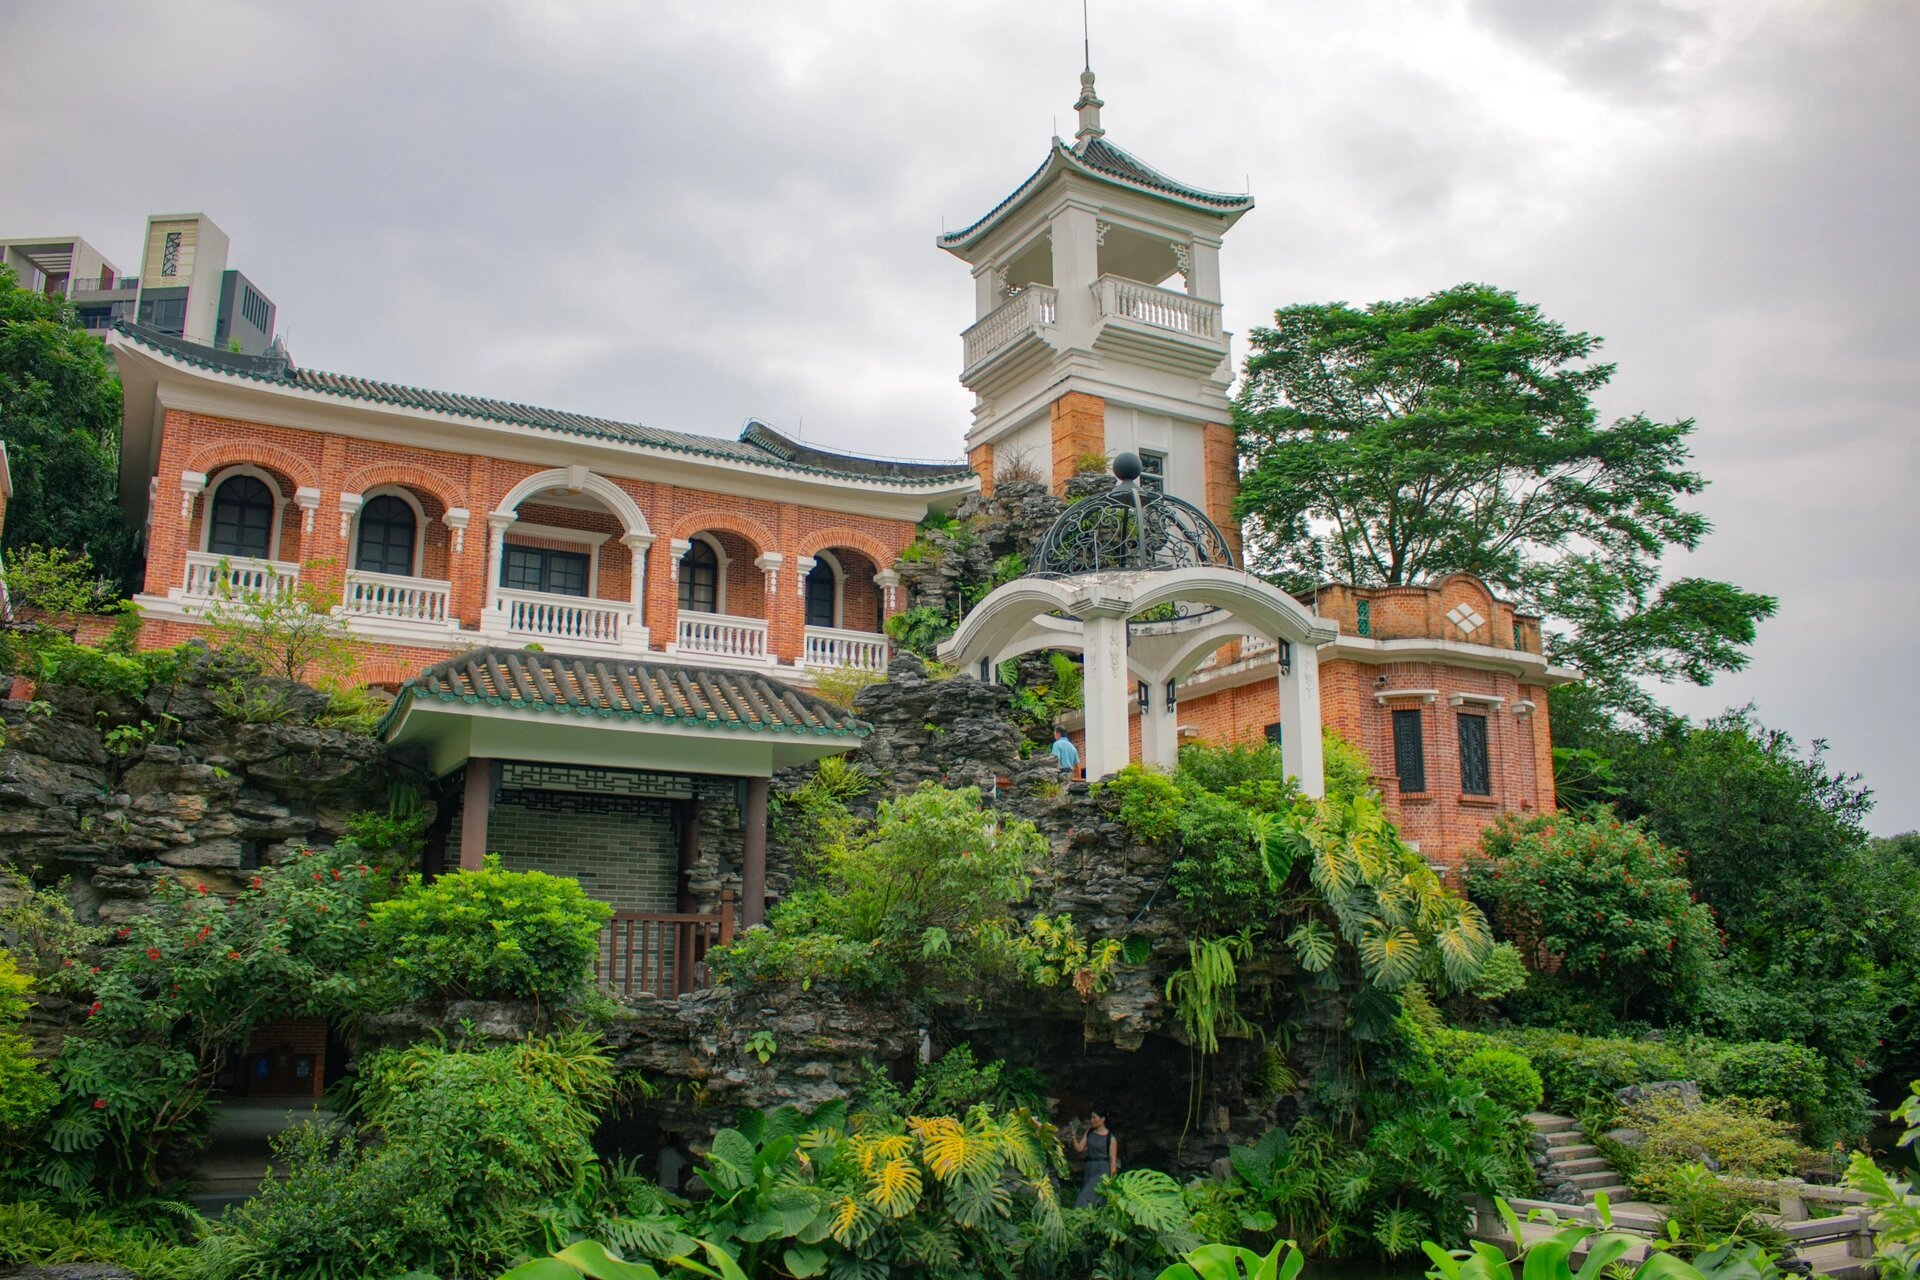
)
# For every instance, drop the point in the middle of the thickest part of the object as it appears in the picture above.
(1126, 466)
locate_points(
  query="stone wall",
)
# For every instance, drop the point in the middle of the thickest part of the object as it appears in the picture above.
(205, 801)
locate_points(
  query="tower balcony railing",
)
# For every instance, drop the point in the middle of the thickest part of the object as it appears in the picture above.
(829, 648)
(216, 577)
(1034, 308)
(396, 598)
(721, 635)
(1117, 297)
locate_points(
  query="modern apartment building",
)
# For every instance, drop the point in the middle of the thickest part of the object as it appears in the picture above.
(184, 287)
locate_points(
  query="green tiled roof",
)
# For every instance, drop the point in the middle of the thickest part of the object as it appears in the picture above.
(616, 689)
(1102, 160)
(758, 444)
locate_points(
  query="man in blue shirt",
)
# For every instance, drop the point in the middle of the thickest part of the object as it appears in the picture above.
(1065, 752)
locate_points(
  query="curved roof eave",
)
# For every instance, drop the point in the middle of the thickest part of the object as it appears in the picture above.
(1224, 206)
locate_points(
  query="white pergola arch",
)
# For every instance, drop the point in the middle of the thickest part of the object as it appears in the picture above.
(1088, 613)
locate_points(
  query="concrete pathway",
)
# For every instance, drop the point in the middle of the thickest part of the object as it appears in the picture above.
(236, 1159)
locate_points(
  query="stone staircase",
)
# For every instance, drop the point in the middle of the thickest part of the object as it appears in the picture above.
(1574, 1171)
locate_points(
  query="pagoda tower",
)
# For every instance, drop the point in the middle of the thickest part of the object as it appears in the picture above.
(1097, 322)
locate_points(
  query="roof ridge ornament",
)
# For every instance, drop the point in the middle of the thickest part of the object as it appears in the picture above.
(1088, 105)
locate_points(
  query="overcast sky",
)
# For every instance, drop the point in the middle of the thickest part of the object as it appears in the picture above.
(686, 214)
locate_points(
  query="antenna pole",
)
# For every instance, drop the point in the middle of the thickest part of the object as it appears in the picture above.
(1086, 36)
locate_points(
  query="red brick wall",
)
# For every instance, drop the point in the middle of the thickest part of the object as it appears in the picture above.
(1079, 423)
(442, 480)
(294, 1036)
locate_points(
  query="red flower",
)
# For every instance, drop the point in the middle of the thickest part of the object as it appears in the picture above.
(199, 888)
(233, 955)
(67, 963)
(99, 1104)
(256, 882)
(318, 876)
(336, 873)
(124, 934)
(323, 906)
(95, 969)
(363, 868)
(93, 1009)
(153, 953)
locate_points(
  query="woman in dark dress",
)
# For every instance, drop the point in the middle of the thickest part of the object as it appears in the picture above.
(1103, 1155)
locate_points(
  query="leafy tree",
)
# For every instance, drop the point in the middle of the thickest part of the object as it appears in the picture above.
(1456, 432)
(286, 630)
(1606, 909)
(60, 419)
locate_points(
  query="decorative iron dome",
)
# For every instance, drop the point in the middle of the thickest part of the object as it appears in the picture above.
(1130, 528)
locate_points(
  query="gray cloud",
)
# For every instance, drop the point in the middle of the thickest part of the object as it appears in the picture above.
(685, 214)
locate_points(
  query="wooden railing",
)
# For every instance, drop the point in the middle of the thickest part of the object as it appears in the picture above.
(216, 577)
(387, 595)
(1118, 297)
(1034, 307)
(720, 635)
(664, 955)
(831, 647)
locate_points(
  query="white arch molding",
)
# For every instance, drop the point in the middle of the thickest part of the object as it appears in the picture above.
(352, 533)
(1089, 613)
(636, 534)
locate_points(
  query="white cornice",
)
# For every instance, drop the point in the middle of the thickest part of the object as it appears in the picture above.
(1529, 668)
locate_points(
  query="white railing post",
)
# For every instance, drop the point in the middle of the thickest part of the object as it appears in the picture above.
(827, 648)
(397, 598)
(720, 635)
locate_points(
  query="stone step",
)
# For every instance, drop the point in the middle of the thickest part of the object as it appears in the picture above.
(1560, 1154)
(1614, 1193)
(1545, 1122)
(1602, 1177)
(1590, 1164)
(1566, 1138)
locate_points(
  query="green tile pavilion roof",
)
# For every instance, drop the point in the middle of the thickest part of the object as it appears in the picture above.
(624, 690)
(758, 443)
(1101, 160)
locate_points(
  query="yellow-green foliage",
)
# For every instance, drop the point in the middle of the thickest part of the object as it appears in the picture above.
(1053, 952)
(841, 685)
(1744, 1137)
(25, 1091)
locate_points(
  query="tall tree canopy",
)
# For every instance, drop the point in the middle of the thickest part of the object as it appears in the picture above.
(60, 418)
(1456, 432)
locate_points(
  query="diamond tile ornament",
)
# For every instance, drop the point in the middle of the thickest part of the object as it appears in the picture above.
(1466, 617)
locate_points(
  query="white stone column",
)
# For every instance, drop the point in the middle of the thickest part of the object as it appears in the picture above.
(1076, 265)
(1107, 688)
(1203, 277)
(498, 522)
(1300, 747)
(1159, 729)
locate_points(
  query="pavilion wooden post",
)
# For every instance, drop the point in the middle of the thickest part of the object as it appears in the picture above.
(753, 868)
(689, 814)
(476, 805)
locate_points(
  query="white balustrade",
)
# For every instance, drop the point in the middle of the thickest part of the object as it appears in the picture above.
(215, 577)
(1034, 307)
(720, 635)
(1118, 297)
(555, 617)
(402, 599)
(830, 647)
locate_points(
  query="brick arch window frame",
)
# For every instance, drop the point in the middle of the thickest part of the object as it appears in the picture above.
(417, 541)
(223, 494)
(713, 565)
(827, 569)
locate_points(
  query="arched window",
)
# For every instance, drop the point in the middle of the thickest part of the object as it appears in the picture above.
(387, 530)
(241, 520)
(700, 579)
(823, 589)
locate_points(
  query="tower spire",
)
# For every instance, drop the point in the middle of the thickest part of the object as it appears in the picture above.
(1088, 104)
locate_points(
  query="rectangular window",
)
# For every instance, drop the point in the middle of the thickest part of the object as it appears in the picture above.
(1409, 751)
(560, 573)
(1476, 777)
(169, 315)
(1153, 471)
(1273, 734)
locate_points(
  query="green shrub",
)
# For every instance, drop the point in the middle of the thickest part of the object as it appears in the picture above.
(457, 1147)
(1508, 1078)
(36, 1235)
(1743, 1139)
(1150, 803)
(1606, 908)
(1220, 876)
(1790, 1073)
(26, 1094)
(490, 934)
(1579, 1071)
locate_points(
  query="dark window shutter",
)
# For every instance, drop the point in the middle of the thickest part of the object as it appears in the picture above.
(1476, 777)
(699, 579)
(821, 587)
(242, 516)
(1409, 751)
(386, 537)
(1273, 735)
